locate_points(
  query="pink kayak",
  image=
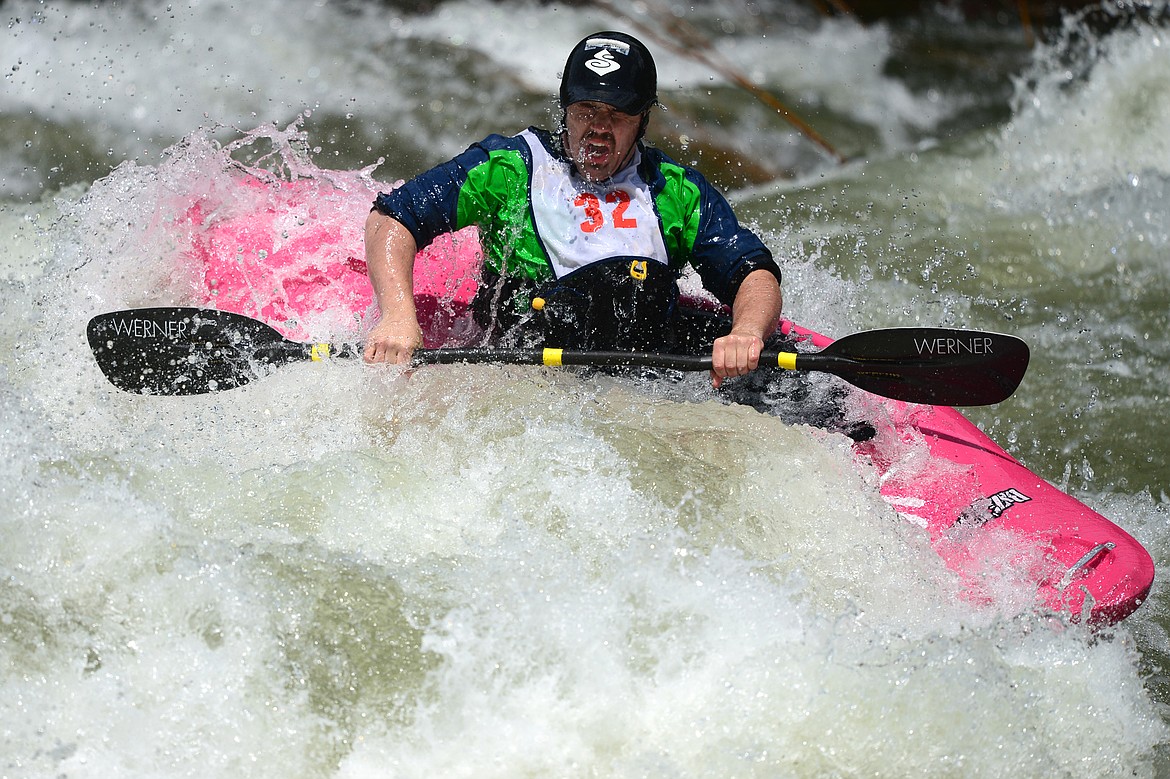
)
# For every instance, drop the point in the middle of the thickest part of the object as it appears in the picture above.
(983, 509)
(289, 253)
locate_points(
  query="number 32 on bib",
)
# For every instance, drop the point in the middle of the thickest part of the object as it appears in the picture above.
(595, 215)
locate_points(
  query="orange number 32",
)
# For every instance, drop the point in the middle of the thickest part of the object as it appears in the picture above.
(595, 217)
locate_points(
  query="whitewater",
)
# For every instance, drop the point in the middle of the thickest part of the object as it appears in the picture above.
(350, 571)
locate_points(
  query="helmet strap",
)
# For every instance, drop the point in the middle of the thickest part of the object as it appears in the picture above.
(643, 125)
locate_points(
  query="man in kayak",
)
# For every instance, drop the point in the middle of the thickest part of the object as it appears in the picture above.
(585, 232)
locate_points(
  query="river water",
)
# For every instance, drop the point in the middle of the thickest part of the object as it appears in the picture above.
(487, 571)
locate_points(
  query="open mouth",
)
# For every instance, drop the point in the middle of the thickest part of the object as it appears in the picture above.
(595, 151)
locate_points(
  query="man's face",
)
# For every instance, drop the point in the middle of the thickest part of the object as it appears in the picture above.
(599, 138)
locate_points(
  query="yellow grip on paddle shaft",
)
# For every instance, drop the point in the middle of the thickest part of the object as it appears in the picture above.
(786, 360)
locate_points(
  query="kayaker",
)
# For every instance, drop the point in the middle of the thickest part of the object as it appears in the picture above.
(585, 231)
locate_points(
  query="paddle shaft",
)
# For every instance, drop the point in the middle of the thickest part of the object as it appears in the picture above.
(560, 357)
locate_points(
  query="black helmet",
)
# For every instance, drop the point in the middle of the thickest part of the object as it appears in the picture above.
(611, 68)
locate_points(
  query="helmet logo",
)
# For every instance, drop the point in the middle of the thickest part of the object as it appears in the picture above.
(602, 62)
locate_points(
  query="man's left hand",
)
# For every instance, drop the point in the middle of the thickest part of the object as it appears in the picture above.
(734, 355)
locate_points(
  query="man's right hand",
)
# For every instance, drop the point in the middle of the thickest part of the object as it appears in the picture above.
(393, 341)
(390, 251)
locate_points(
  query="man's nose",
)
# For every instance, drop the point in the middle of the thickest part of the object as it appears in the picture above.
(602, 119)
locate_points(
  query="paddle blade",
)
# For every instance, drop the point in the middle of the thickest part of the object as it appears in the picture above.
(185, 351)
(931, 365)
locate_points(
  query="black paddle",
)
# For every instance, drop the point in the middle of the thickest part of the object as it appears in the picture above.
(192, 351)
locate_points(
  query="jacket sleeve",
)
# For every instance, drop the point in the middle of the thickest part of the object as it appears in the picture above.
(442, 199)
(724, 251)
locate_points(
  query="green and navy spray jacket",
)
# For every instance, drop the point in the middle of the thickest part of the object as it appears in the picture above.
(489, 185)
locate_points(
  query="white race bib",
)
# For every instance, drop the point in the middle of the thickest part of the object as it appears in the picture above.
(581, 222)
